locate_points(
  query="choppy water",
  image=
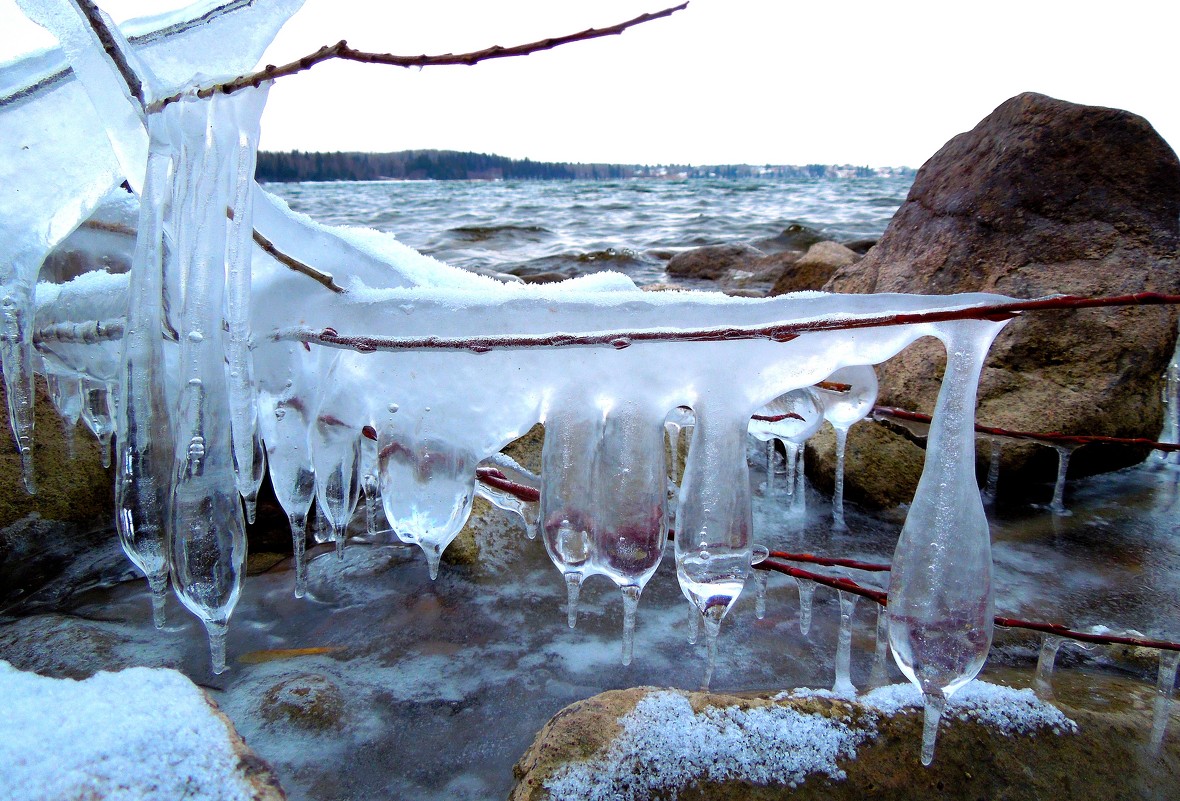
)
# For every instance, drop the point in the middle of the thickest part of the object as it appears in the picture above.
(585, 226)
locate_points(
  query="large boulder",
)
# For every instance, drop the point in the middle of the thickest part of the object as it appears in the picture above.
(1043, 197)
(646, 743)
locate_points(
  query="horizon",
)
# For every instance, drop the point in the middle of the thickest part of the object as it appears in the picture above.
(739, 82)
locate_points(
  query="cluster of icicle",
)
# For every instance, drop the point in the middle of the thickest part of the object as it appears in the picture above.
(378, 370)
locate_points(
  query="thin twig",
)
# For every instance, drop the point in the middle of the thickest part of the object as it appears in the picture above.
(341, 50)
(311, 272)
(1053, 438)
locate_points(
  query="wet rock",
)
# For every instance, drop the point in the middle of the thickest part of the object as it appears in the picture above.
(543, 278)
(860, 246)
(68, 647)
(761, 274)
(714, 261)
(881, 467)
(1104, 758)
(794, 237)
(1043, 197)
(307, 701)
(814, 268)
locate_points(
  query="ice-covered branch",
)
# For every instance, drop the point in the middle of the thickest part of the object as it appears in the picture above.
(777, 332)
(342, 51)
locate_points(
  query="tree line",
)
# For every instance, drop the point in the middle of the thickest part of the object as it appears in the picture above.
(449, 165)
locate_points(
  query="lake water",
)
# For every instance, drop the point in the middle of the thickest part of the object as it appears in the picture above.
(584, 226)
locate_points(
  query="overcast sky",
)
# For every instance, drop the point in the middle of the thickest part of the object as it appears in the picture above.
(725, 81)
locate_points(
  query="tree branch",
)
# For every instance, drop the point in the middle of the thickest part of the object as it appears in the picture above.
(341, 50)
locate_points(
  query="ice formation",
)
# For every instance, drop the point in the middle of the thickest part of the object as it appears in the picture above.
(356, 339)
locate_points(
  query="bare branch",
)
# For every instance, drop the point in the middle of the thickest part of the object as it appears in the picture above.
(287, 261)
(341, 50)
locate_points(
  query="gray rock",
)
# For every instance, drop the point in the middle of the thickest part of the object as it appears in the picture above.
(1043, 197)
(794, 237)
(714, 261)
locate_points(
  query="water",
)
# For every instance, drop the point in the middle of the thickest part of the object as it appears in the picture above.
(578, 227)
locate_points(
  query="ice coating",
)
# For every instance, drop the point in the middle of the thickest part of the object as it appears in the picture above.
(1165, 688)
(879, 677)
(495, 491)
(792, 418)
(283, 423)
(940, 589)
(368, 335)
(1057, 505)
(1046, 657)
(53, 175)
(843, 685)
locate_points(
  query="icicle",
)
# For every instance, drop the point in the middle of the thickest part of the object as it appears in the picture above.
(694, 624)
(838, 497)
(284, 430)
(769, 468)
(679, 421)
(940, 596)
(806, 594)
(880, 677)
(208, 532)
(97, 415)
(1165, 688)
(799, 499)
(843, 408)
(792, 451)
(243, 110)
(843, 685)
(528, 511)
(761, 578)
(713, 547)
(1171, 402)
(712, 620)
(1057, 505)
(16, 360)
(628, 483)
(322, 532)
(993, 471)
(336, 457)
(567, 459)
(146, 455)
(1043, 680)
(66, 395)
(370, 483)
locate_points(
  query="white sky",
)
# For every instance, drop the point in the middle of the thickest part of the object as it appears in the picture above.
(725, 81)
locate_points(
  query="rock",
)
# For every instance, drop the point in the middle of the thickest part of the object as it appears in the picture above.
(794, 237)
(881, 467)
(549, 277)
(714, 261)
(817, 747)
(861, 246)
(1043, 197)
(760, 274)
(814, 268)
(78, 489)
(309, 702)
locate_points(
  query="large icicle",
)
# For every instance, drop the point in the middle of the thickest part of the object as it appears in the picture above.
(940, 589)
(243, 389)
(208, 533)
(145, 456)
(713, 544)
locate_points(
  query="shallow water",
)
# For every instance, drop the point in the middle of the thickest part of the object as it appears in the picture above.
(445, 684)
(578, 227)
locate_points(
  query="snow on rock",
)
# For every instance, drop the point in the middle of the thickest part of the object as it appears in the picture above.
(649, 743)
(140, 733)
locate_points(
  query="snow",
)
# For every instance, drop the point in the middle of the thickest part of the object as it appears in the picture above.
(141, 733)
(665, 747)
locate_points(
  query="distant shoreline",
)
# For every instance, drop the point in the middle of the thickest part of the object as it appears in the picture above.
(449, 165)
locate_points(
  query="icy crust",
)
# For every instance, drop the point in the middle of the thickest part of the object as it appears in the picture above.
(665, 746)
(142, 733)
(1006, 709)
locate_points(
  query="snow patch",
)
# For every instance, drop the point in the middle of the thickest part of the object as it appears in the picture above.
(142, 733)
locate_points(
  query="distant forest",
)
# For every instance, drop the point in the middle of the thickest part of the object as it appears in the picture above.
(449, 165)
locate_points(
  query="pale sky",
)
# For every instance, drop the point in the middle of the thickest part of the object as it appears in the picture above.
(881, 83)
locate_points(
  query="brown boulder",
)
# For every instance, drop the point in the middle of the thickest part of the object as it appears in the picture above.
(814, 268)
(1043, 197)
(881, 467)
(979, 754)
(714, 261)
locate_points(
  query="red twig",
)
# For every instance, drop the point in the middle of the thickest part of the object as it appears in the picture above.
(341, 50)
(1047, 437)
(777, 332)
(494, 478)
(882, 598)
(828, 561)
